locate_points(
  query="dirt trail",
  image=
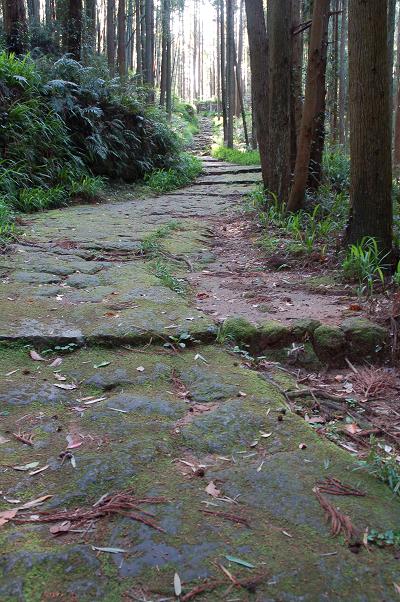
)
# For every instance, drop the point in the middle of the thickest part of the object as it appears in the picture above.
(131, 392)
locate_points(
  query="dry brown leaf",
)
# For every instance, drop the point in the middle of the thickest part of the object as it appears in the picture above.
(7, 515)
(66, 386)
(35, 356)
(352, 428)
(55, 363)
(212, 490)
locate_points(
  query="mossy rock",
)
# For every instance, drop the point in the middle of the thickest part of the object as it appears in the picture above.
(273, 333)
(329, 344)
(304, 327)
(239, 330)
(364, 338)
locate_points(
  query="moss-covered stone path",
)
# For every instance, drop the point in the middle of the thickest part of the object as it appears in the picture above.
(146, 400)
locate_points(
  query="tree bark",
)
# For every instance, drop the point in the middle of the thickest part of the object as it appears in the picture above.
(258, 46)
(230, 73)
(370, 131)
(121, 39)
(342, 76)
(111, 36)
(149, 49)
(296, 100)
(223, 70)
(15, 26)
(73, 39)
(280, 46)
(315, 79)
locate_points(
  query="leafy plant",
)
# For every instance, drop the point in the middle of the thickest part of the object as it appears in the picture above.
(234, 155)
(162, 271)
(386, 538)
(385, 468)
(396, 275)
(365, 264)
(182, 173)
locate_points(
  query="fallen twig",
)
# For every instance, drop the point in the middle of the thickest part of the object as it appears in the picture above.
(250, 584)
(335, 487)
(340, 523)
(232, 517)
(121, 503)
(26, 438)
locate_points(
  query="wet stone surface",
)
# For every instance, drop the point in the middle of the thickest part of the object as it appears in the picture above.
(144, 418)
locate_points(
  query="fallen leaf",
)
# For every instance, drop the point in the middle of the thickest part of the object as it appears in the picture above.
(200, 357)
(61, 528)
(140, 369)
(12, 372)
(7, 515)
(355, 307)
(242, 394)
(265, 435)
(33, 472)
(66, 386)
(352, 428)
(73, 441)
(302, 446)
(102, 365)
(3, 440)
(177, 585)
(91, 401)
(35, 356)
(315, 420)
(37, 502)
(55, 363)
(59, 377)
(26, 466)
(109, 550)
(241, 562)
(212, 490)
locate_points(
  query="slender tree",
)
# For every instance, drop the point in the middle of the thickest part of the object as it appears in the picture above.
(342, 75)
(370, 116)
(111, 36)
(15, 25)
(280, 48)
(73, 33)
(121, 38)
(258, 46)
(230, 74)
(315, 81)
(149, 76)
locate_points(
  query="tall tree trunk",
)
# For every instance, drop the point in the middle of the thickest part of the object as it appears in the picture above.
(111, 36)
(15, 26)
(258, 46)
(223, 72)
(73, 40)
(396, 154)
(149, 49)
(280, 45)
(315, 81)
(90, 28)
(230, 73)
(33, 12)
(318, 141)
(342, 75)
(121, 39)
(370, 131)
(138, 16)
(335, 74)
(296, 101)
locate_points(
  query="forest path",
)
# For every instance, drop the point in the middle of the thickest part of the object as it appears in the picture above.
(143, 399)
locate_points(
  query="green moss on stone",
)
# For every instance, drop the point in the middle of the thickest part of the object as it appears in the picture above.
(329, 343)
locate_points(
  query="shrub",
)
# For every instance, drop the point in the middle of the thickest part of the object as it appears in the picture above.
(182, 173)
(234, 155)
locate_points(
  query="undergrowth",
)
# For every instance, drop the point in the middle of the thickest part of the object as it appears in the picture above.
(183, 171)
(234, 155)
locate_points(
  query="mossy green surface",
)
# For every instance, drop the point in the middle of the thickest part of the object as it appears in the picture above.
(141, 448)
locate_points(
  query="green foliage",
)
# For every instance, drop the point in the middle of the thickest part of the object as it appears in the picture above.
(64, 126)
(181, 173)
(383, 539)
(365, 264)
(150, 245)
(336, 169)
(234, 155)
(386, 468)
(162, 271)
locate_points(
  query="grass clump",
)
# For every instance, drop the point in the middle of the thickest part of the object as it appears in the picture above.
(234, 155)
(162, 271)
(386, 468)
(181, 173)
(365, 264)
